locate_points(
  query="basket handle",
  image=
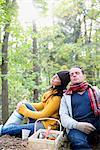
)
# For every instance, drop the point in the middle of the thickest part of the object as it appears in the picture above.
(46, 119)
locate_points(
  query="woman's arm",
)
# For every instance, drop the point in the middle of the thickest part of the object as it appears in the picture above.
(48, 111)
(38, 106)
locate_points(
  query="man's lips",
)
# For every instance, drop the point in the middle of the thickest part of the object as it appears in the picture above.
(75, 79)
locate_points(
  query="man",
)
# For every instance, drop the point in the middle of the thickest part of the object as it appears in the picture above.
(80, 111)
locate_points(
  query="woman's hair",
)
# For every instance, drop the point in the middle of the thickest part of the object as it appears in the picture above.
(59, 89)
(65, 79)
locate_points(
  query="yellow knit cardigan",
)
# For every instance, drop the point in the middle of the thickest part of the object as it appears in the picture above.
(48, 107)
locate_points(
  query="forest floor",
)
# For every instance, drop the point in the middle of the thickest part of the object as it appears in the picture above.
(12, 143)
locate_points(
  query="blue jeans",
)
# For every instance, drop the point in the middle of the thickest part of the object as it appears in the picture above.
(30, 107)
(82, 141)
(16, 130)
(78, 140)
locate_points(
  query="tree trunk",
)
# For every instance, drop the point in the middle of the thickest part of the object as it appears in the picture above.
(85, 29)
(89, 40)
(4, 66)
(4, 71)
(35, 66)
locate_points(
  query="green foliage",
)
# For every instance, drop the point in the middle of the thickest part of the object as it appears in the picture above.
(60, 47)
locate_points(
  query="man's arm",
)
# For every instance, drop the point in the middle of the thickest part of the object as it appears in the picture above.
(65, 116)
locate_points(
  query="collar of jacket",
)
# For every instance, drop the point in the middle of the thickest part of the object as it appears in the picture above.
(49, 94)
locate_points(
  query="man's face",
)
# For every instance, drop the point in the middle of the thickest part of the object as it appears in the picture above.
(76, 76)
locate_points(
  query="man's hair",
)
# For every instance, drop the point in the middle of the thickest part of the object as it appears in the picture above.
(79, 68)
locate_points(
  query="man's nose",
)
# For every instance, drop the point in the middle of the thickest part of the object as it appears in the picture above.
(74, 74)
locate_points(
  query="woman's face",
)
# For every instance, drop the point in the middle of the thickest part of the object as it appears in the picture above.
(55, 81)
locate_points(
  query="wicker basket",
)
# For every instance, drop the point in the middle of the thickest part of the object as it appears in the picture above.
(34, 143)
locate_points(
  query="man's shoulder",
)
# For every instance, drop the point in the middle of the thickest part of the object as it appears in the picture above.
(66, 96)
(97, 91)
(96, 88)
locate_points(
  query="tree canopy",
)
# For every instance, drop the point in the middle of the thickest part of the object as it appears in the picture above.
(36, 51)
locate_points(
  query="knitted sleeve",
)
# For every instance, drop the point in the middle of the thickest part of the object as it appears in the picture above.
(38, 106)
(52, 107)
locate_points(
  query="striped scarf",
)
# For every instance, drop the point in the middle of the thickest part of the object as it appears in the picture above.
(95, 102)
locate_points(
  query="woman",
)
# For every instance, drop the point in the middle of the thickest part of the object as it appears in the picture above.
(48, 107)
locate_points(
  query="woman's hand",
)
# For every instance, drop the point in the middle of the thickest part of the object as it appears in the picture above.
(20, 104)
(22, 109)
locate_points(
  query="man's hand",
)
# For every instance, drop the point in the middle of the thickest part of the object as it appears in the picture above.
(85, 127)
